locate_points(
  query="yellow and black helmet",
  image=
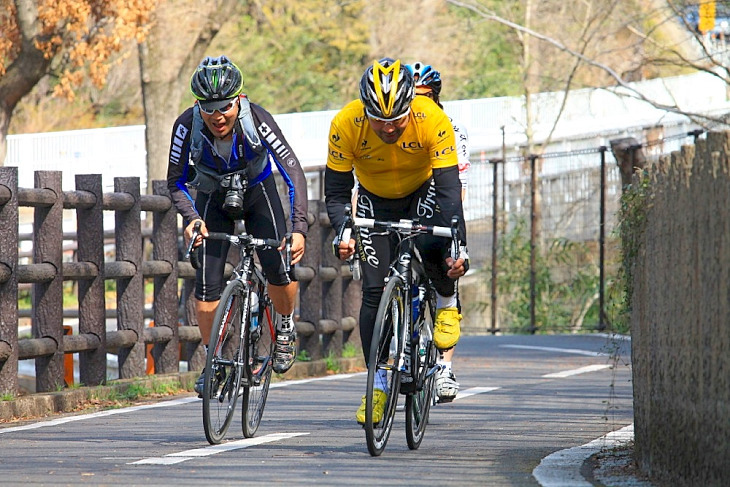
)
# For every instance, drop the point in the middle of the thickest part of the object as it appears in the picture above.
(387, 89)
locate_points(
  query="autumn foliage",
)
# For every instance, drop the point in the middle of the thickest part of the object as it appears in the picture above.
(80, 36)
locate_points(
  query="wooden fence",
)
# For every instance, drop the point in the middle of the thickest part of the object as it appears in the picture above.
(328, 301)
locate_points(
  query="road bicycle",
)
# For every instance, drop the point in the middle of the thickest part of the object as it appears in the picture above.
(402, 343)
(241, 347)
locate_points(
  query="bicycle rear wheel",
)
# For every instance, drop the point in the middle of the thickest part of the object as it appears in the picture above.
(390, 317)
(259, 363)
(223, 365)
(424, 354)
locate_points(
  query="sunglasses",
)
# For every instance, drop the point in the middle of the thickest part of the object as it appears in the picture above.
(396, 122)
(224, 109)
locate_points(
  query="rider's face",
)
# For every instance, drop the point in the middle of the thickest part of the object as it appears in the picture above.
(221, 124)
(389, 132)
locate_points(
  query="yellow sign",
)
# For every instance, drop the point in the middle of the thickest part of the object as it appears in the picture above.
(707, 17)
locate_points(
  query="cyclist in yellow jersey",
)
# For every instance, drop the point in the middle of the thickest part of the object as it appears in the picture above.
(402, 150)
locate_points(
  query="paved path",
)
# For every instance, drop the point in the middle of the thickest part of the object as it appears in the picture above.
(523, 398)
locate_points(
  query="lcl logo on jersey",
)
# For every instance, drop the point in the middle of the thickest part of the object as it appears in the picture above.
(445, 151)
(359, 121)
(337, 155)
(420, 116)
(413, 145)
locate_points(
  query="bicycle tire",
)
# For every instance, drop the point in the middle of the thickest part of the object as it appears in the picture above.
(392, 307)
(418, 404)
(259, 364)
(223, 369)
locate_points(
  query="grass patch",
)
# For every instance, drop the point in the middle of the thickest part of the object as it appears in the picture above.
(331, 362)
(351, 351)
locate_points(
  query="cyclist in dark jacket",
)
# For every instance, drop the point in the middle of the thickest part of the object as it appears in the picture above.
(223, 147)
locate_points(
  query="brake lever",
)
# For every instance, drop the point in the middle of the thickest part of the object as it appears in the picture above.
(193, 237)
(287, 251)
(455, 251)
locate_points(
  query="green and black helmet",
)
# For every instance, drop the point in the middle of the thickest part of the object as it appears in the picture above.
(216, 78)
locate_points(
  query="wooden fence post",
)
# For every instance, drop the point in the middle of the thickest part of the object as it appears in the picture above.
(310, 291)
(164, 239)
(91, 291)
(9, 280)
(48, 296)
(130, 290)
(331, 325)
(351, 302)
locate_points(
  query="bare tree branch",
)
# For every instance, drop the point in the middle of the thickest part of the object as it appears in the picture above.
(631, 91)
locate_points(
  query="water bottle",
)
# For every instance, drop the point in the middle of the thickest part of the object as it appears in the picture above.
(254, 301)
(416, 305)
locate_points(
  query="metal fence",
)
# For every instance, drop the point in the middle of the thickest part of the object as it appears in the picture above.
(547, 259)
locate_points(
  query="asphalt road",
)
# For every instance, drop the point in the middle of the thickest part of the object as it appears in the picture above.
(522, 399)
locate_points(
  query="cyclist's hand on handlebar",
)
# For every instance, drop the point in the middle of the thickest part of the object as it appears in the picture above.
(202, 234)
(298, 244)
(346, 249)
(456, 268)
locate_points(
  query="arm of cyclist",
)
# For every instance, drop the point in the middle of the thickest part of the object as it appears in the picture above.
(289, 167)
(179, 171)
(292, 173)
(338, 192)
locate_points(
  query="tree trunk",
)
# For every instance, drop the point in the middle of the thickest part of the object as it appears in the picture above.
(24, 72)
(167, 60)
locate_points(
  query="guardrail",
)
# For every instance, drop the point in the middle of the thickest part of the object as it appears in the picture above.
(328, 300)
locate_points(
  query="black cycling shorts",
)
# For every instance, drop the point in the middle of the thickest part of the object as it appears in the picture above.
(263, 217)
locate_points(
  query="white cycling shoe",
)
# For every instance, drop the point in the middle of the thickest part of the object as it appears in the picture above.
(446, 386)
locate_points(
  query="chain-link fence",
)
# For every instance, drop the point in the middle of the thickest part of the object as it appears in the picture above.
(548, 258)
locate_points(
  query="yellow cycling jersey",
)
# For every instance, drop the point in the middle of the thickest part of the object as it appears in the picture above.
(392, 170)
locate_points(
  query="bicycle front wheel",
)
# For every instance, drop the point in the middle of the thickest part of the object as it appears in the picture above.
(259, 364)
(223, 364)
(418, 404)
(390, 319)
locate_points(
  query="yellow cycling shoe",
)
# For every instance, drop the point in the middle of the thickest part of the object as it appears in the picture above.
(379, 400)
(447, 328)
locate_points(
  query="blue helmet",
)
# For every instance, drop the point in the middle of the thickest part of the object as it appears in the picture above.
(425, 75)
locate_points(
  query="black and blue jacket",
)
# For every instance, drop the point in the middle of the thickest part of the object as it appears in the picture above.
(275, 148)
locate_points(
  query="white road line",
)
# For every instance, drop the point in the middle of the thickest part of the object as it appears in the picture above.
(574, 351)
(460, 395)
(179, 457)
(162, 404)
(100, 414)
(562, 468)
(582, 370)
(472, 391)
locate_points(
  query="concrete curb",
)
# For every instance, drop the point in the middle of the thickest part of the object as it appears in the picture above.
(70, 400)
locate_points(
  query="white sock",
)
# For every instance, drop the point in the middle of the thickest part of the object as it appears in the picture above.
(445, 301)
(286, 323)
(445, 365)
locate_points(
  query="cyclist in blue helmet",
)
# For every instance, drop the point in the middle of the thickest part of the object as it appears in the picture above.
(428, 84)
